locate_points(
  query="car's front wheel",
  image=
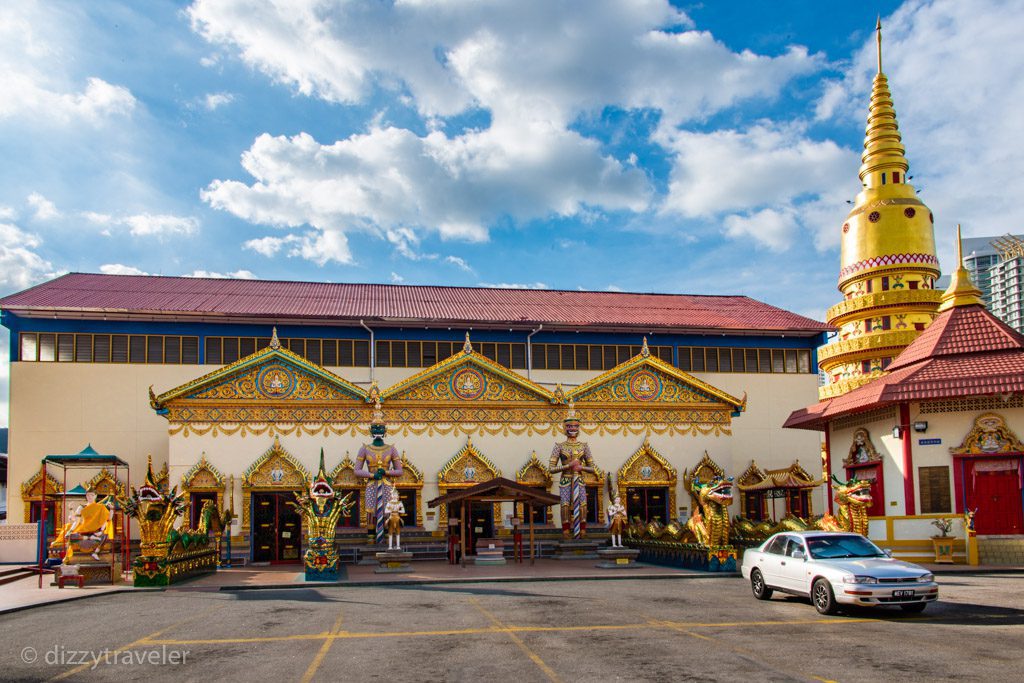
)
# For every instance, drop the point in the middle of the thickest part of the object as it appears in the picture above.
(823, 597)
(914, 607)
(758, 587)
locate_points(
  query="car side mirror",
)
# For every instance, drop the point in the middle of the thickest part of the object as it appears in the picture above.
(888, 552)
(798, 555)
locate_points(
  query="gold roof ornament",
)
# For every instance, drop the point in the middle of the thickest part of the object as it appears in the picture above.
(467, 348)
(378, 414)
(961, 291)
(644, 350)
(570, 413)
(275, 343)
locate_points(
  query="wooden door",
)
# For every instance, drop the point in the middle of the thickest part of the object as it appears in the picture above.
(648, 503)
(997, 497)
(277, 528)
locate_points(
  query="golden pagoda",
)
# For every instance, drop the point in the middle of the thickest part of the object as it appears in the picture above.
(888, 264)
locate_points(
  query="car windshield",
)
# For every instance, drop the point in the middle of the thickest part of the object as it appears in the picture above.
(835, 547)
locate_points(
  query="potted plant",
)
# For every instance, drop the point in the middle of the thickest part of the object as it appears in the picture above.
(943, 544)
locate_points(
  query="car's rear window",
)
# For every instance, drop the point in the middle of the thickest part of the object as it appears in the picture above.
(835, 547)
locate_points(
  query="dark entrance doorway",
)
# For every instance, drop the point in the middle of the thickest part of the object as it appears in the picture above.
(276, 528)
(479, 522)
(996, 494)
(648, 503)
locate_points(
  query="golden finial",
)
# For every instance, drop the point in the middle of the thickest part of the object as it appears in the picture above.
(878, 41)
(378, 414)
(961, 291)
(275, 343)
(570, 414)
(467, 348)
(644, 351)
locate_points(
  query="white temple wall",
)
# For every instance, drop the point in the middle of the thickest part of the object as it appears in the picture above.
(61, 407)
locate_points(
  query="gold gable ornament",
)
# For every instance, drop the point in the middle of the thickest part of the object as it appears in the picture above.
(275, 470)
(466, 468)
(32, 492)
(647, 468)
(411, 480)
(989, 435)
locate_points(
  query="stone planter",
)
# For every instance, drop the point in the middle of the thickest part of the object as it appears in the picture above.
(943, 546)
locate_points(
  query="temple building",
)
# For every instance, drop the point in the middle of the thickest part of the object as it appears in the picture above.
(234, 386)
(939, 434)
(888, 265)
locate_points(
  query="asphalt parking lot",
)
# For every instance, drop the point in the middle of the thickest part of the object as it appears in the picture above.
(703, 629)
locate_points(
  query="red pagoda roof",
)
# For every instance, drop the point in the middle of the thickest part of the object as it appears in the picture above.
(966, 351)
(86, 295)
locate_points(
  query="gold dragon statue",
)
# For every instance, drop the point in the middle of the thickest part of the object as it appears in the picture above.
(709, 523)
(167, 554)
(853, 498)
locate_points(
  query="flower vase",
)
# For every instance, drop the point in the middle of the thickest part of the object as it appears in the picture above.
(943, 546)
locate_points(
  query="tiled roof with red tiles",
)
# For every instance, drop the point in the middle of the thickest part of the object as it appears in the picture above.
(966, 351)
(81, 293)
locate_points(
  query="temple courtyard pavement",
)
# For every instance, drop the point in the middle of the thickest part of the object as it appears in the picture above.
(702, 628)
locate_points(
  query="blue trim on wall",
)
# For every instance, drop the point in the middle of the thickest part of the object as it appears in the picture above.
(202, 330)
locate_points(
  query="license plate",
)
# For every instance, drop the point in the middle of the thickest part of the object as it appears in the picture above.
(903, 594)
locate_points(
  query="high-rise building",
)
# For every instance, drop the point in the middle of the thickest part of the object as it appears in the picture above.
(1007, 281)
(888, 265)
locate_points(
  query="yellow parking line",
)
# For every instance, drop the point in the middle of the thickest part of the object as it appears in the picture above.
(144, 640)
(534, 657)
(308, 676)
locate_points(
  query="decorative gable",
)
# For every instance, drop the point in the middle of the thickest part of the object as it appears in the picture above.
(646, 467)
(468, 378)
(989, 435)
(104, 485)
(344, 475)
(202, 476)
(468, 467)
(276, 469)
(270, 386)
(411, 475)
(33, 487)
(534, 473)
(705, 470)
(654, 396)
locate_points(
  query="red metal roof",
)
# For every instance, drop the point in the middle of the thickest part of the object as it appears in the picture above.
(84, 293)
(966, 351)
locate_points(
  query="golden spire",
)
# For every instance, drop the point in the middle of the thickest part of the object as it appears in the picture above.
(883, 150)
(961, 291)
(878, 41)
(275, 343)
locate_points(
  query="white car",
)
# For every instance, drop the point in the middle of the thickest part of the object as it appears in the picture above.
(836, 568)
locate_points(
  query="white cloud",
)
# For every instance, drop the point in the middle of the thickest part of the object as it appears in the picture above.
(954, 71)
(44, 209)
(459, 263)
(34, 82)
(216, 100)
(237, 275)
(7, 213)
(160, 225)
(534, 66)
(513, 285)
(120, 269)
(20, 266)
(268, 246)
(771, 227)
(396, 278)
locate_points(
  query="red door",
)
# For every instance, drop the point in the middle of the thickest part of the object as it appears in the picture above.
(872, 473)
(997, 497)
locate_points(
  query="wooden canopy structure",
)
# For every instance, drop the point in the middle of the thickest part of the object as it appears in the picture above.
(497, 490)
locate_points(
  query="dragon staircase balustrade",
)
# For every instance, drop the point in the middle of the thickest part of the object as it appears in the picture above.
(169, 554)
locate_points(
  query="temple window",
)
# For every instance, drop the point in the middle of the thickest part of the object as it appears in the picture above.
(883, 179)
(886, 362)
(865, 367)
(934, 482)
(867, 287)
(912, 284)
(106, 348)
(895, 176)
(885, 283)
(919, 326)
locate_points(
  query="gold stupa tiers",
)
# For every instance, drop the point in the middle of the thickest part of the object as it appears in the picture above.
(888, 263)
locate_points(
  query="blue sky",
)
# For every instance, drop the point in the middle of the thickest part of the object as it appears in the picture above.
(634, 145)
